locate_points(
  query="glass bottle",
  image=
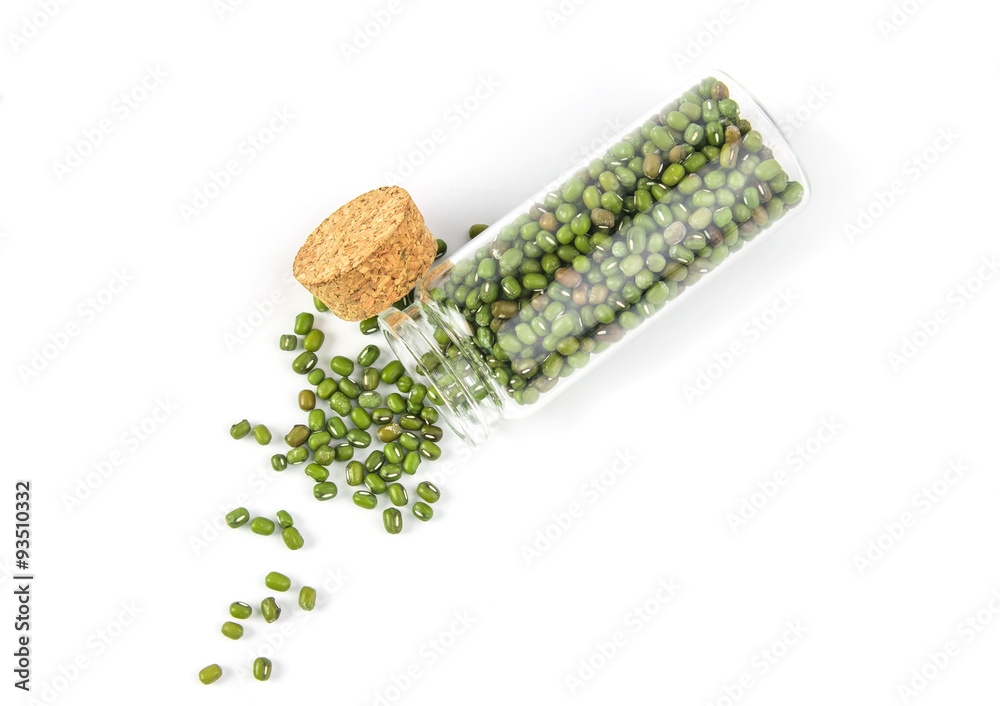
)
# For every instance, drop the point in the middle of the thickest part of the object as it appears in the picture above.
(574, 272)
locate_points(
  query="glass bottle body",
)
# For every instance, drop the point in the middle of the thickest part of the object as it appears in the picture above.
(528, 306)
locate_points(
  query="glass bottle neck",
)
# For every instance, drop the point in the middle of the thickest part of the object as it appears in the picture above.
(469, 398)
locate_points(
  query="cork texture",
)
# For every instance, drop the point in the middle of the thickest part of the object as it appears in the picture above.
(367, 254)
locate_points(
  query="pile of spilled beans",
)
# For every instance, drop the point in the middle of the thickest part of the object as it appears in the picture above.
(270, 611)
(380, 413)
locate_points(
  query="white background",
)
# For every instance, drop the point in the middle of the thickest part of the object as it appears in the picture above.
(864, 89)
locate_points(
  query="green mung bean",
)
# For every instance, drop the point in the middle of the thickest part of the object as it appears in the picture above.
(392, 520)
(368, 326)
(368, 355)
(234, 631)
(325, 490)
(409, 441)
(355, 473)
(374, 461)
(395, 402)
(288, 342)
(365, 499)
(336, 427)
(390, 472)
(304, 362)
(375, 483)
(240, 610)
(307, 400)
(240, 429)
(292, 538)
(350, 388)
(342, 365)
(317, 472)
(261, 669)
(284, 518)
(326, 388)
(262, 435)
(277, 581)
(428, 491)
(341, 403)
(303, 323)
(429, 450)
(318, 439)
(392, 371)
(307, 598)
(422, 511)
(431, 432)
(359, 438)
(262, 525)
(270, 609)
(343, 452)
(298, 435)
(397, 494)
(238, 517)
(411, 462)
(313, 340)
(315, 420)
(210, 674)
(369, 400)
(389, 432)
(410, 422)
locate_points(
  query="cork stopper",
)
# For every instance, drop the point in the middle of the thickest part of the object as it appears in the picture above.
(367, 255)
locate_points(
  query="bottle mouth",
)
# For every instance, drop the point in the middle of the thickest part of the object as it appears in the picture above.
(453, 384)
